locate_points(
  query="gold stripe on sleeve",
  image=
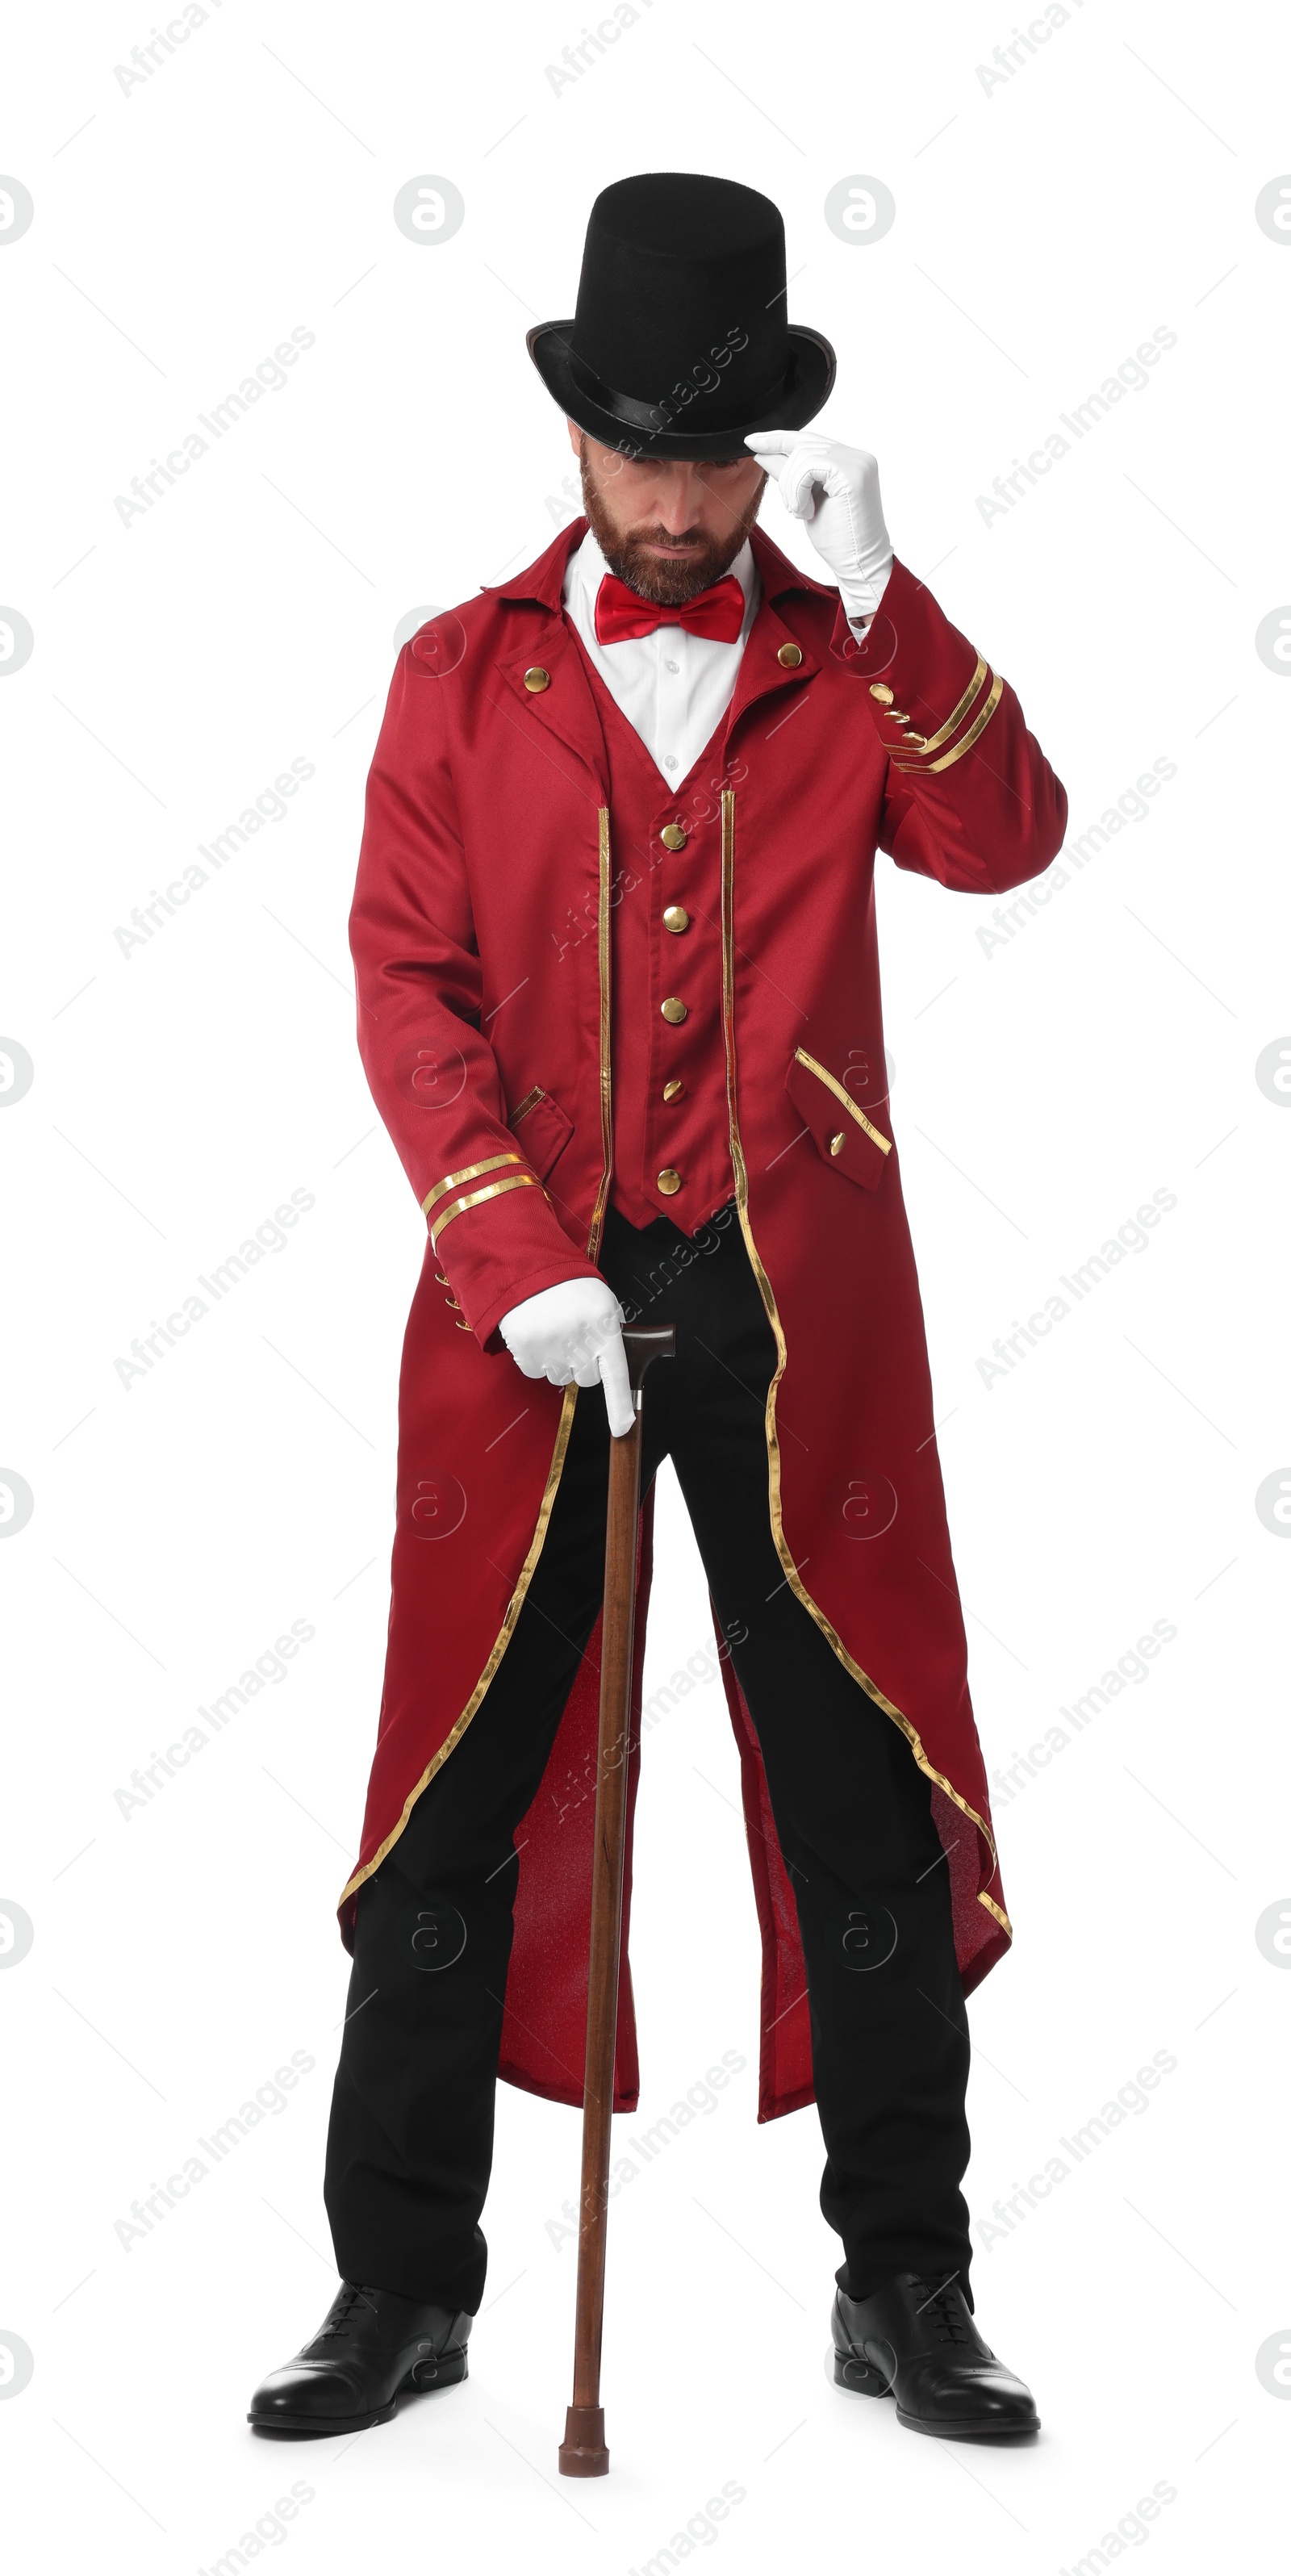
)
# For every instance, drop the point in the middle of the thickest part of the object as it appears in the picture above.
(934, 741)
(975, 730)
(457, 1180)
(458, 1207)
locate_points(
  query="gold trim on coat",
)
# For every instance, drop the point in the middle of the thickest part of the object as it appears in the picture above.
(565, 1424)
(458, 1207)
(603, 973)
(773, 1317)
(458, 1180)
(845, 1096)
(523, 1107)
(498, 1649)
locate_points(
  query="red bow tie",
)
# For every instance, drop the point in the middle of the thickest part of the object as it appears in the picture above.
(622, 613)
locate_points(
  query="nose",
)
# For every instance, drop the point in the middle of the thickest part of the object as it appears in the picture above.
(681, 496)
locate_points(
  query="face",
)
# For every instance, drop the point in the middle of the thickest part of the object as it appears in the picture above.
(666, 529)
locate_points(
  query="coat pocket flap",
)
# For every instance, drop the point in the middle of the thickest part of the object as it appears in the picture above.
(541, 1127)
(853, 1139)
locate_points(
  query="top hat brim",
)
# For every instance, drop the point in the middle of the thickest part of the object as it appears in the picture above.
(808, 383)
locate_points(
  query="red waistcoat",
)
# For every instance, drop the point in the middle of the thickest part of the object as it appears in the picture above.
(666, 935)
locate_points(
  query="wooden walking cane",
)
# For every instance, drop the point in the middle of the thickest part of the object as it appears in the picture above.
(583, 2453)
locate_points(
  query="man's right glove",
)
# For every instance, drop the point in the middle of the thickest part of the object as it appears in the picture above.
(573, 1331)
(834, 490)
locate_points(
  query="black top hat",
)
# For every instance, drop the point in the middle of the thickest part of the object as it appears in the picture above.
(681, 343)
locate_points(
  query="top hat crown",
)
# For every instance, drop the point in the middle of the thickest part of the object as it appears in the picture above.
(680, 344)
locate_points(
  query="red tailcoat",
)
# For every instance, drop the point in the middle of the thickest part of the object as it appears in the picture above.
(481, 935)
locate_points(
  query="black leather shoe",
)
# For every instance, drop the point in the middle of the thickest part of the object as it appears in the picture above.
(372, 2348)
(917, 2342)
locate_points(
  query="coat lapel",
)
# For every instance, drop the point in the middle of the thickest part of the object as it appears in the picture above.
(563, 715)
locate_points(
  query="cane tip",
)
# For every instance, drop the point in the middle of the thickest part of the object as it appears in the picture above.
(583, 2453)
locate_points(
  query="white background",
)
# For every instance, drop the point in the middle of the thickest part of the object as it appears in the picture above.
(1045, 226)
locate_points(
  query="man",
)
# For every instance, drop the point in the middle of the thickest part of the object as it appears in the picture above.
(619, 1007)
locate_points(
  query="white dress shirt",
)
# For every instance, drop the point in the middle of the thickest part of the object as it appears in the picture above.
(673, 687)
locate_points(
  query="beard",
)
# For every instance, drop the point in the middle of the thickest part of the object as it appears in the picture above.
(667, 582)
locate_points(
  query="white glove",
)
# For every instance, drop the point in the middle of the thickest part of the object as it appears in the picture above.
(573, 1331)
(835, 490)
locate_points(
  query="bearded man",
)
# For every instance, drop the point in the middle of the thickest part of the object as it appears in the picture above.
(619, 1007)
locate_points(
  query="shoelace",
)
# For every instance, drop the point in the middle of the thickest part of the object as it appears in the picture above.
(339, 2321)
(944, 2307)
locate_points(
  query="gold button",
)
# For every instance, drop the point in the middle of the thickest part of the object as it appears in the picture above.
(676, 918)
(920, 741)
(537, 679)
(673, 1090)
(789, 656)
(672, 1009)
(669, 1182)
(673, 837)
(879, 689)
(837, 1141)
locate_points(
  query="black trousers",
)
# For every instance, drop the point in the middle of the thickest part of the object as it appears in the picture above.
(411, 2136)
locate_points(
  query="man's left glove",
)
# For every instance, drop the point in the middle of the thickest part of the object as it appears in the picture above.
(835, 491)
